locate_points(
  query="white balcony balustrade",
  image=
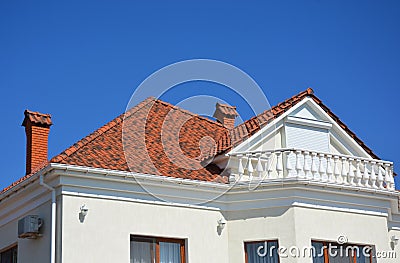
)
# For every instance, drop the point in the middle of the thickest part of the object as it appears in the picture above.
(313, 166)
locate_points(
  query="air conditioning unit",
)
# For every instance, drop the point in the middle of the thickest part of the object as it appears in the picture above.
(29, 226)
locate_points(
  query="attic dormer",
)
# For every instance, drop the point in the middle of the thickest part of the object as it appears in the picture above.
(305, 129)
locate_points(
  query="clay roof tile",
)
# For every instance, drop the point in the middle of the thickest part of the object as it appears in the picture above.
(104, 148)
(37, 118)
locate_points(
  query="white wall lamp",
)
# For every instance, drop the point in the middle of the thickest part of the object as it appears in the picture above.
(83, 213)
(221, 225)
(84, 210)
(394, 240)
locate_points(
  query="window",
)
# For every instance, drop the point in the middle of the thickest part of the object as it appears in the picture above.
(328, 252)
(261, 252)
(157, 250)
(9, 255)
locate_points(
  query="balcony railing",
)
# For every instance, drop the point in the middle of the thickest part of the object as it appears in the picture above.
(314, 166)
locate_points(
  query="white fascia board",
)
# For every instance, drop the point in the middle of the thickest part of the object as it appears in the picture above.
(138, 176)
(178, 184)
(236, 197)
(10, 192)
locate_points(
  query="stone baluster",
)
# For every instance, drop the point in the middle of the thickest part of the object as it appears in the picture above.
(337, 169)
(250, 169)
(268, 165)
(322, 169)
(392, 185)
(299, 167)
(306, 166)
(279, 166)
(259, 167)
(366, 175)
(344, 172)
(240, 166)
(387, 177)
(314, 168)
(340, 169)
(380, 177)
(289, 166)
(329, 170)
(351, 172)
(358, 173)
(373, 175)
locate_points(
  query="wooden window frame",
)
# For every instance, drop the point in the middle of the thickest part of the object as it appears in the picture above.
(259, 241)
(156, 242)
(326, 255)
(12, 247)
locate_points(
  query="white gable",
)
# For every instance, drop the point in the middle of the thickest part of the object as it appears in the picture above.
(306, 129)
(305, 126)
(307, 112)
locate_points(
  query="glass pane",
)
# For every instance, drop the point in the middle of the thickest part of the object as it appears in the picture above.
(9, 256)
(318, 256)
(170, 252)
(364, 255)
(262, 252)
(142, 251)
(339, 254)
(15, 255)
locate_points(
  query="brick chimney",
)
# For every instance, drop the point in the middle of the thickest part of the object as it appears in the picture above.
(226, 115)
(37, 127)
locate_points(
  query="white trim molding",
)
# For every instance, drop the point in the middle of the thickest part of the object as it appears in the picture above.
(308, 122)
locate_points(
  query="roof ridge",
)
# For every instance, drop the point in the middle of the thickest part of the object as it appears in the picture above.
(98, 132)
(189, 112)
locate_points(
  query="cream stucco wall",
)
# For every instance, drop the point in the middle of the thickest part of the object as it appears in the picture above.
(260, 225)
(298, 226)
(29, 250)
(251, 216)
(105, 233)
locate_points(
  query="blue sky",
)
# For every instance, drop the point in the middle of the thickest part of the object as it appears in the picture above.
(82, 60)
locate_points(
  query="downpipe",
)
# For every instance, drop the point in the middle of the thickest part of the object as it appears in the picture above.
(53, 219)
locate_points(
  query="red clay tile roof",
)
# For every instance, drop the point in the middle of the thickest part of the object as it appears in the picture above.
(149, 129)
(37, 118)
(150, 144)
